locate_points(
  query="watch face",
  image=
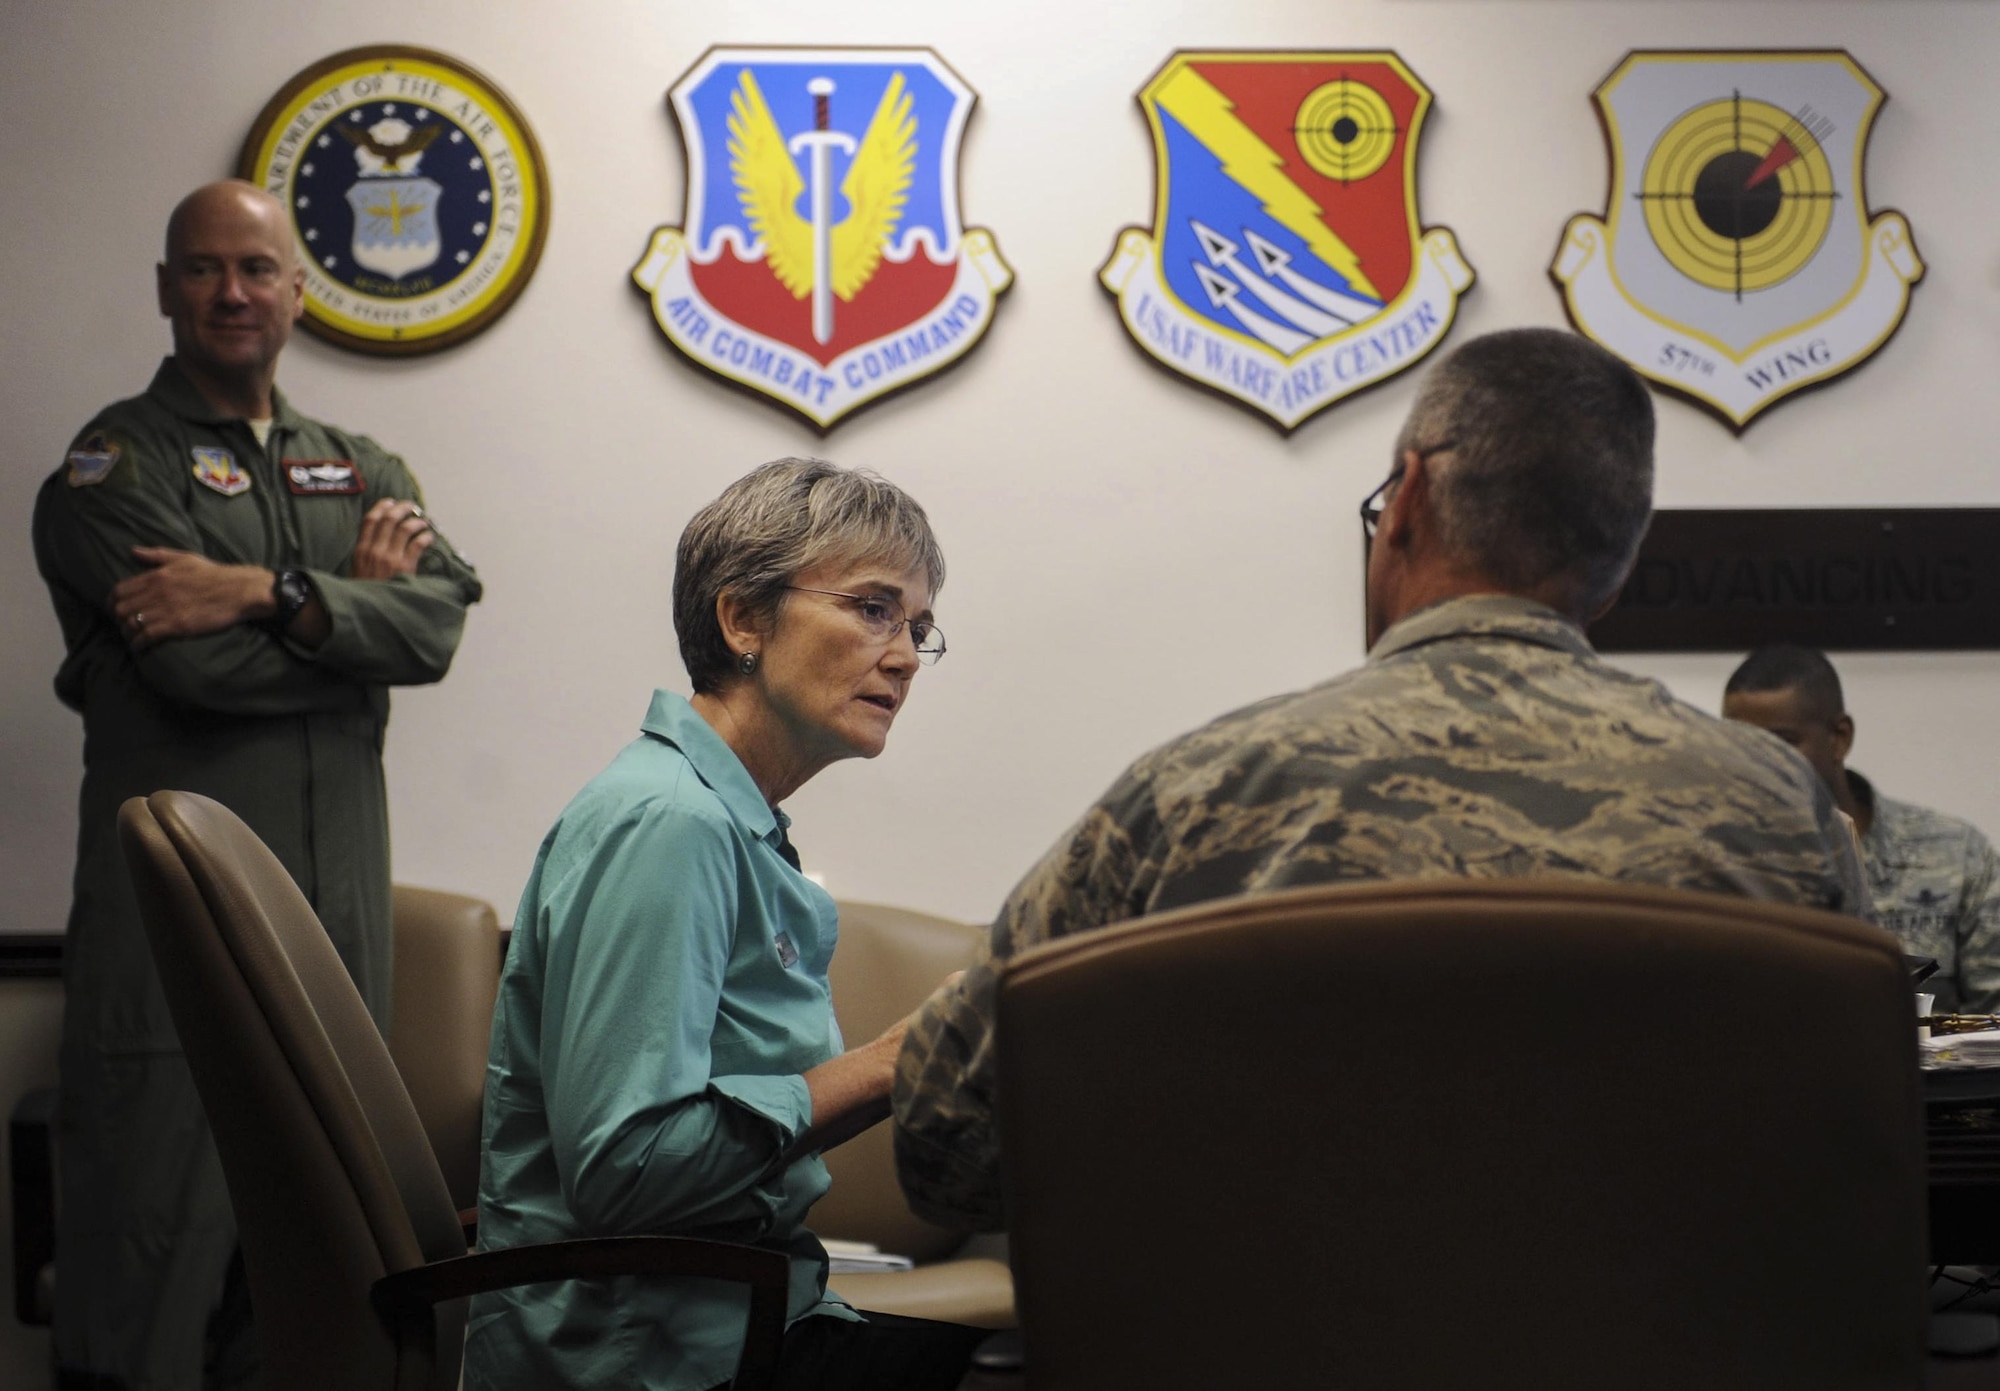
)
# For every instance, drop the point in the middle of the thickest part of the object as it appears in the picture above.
(292, 592)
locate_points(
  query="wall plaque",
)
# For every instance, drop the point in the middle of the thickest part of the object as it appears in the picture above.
(417, 195)
(1737, 260)
(822, 261)
(1286, 267)
(1857, 580)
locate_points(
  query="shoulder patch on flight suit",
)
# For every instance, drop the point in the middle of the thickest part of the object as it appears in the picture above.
(92, 460)
(218, 469)
(316, 477)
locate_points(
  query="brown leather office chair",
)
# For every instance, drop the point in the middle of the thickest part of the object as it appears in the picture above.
(447, 978)
(356, 1264)
(1508, 1135)
(887, 963)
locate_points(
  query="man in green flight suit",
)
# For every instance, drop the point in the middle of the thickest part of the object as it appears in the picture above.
(237, 585)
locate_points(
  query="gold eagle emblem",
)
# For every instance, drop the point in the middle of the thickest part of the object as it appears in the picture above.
(876, 188)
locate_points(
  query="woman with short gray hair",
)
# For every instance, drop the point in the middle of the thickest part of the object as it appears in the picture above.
(665, 1058)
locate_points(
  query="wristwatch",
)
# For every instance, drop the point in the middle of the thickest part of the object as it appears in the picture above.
(289, 591)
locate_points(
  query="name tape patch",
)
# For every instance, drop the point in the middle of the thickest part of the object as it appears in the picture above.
(320, 477)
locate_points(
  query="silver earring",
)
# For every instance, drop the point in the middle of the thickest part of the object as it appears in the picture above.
(747, 663)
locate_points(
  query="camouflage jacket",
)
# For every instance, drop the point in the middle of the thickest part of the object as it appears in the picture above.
(1483, 737)
(1936, 884)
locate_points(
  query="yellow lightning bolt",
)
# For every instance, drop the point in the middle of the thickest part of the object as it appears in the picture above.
(1211, 118)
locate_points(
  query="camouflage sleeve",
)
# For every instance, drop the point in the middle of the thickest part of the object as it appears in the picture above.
(946, 1135)
(1978, 929)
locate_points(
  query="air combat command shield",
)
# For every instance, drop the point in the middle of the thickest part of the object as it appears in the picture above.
(1286, 267)
(822, 261)
(1738, 261)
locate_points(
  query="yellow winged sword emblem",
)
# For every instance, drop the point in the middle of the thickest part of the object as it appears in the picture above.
(814, 255)
(822, 261)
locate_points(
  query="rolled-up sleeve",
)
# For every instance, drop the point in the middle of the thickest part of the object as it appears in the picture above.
(645, 1138)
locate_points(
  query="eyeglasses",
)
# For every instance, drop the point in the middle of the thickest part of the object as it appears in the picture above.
(1376, 503)
(883, 617)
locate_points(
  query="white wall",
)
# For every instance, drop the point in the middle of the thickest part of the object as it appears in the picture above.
(1129, 556)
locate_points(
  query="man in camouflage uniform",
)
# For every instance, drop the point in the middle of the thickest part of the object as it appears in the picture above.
(1934, 879)
(237, 586)
(1483, 737)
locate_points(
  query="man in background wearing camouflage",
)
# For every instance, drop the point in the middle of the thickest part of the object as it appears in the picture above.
(1483, 737)
(238, 586)
(1934, 879)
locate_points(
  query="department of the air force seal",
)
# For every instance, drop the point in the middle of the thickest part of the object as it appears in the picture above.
(1738, 261)
(1286, 267)
(417, 194)
(822, 261)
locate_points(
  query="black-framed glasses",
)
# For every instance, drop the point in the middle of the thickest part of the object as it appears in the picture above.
(1377, 502)
(883, 617)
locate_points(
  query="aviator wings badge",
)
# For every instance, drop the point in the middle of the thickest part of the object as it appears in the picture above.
(822, 262)
(1286, 267)
(1738, 261)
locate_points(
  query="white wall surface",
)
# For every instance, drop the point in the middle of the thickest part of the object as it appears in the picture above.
(1129, 556)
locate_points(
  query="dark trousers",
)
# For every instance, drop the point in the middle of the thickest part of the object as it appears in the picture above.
(229, 1346)
(887, 1353)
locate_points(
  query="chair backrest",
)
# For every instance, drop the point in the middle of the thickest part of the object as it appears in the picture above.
(447, 978)
(888, 962)
(1622, 1136)
(331, 1178)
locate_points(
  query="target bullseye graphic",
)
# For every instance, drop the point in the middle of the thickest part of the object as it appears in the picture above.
(1737, 262)
(1739, 194)
(1345, 130)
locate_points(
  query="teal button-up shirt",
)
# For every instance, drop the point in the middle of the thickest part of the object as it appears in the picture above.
(665, 989)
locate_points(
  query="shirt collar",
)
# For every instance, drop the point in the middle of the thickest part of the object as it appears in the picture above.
(172, 389)
(1484, 615)
(672, 719)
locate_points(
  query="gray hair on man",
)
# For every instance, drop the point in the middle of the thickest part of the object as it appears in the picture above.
(1549, 471)
(771, 525)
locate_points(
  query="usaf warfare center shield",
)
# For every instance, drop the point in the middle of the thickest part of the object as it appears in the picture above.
(1285, 266)
(822, 261)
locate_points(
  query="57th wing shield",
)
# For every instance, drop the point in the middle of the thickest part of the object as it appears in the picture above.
(1738, 261)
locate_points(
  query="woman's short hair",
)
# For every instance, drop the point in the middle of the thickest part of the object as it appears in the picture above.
(1550, 471)
(771, 525)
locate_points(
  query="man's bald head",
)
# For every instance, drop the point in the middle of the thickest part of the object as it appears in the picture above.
(233, 287)
(223, 197)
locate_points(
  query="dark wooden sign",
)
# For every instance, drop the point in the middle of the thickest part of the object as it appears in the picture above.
(1843, 579)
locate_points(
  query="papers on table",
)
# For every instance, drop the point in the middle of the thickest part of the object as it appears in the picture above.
(1980, 1049)
(854, 1257)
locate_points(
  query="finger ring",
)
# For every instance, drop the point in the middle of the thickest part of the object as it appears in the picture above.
(138, 620)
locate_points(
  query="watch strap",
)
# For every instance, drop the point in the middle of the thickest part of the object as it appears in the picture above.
(289, 591)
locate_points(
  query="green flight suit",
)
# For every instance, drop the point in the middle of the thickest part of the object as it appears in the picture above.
(288, 738)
